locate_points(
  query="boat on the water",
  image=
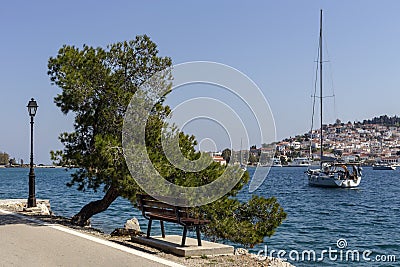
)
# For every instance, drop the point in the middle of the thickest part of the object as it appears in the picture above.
(273, 162)
(300, 162)
(335, 175)
(383, 166)
(276, 162)
(331, 174)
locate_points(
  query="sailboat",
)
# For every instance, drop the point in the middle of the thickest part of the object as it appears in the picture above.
(331, 174)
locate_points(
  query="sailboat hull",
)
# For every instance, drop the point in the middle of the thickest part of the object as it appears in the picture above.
(321, 179)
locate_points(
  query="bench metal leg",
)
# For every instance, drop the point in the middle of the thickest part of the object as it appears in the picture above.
(184, 236)
(162, 229)
(149, 228)
(198, 235)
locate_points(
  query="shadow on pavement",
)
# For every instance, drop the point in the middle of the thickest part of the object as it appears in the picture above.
(12, 219)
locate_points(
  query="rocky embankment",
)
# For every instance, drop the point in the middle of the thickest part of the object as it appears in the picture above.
(20, 205)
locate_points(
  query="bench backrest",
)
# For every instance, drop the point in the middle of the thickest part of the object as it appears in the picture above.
(148, 204)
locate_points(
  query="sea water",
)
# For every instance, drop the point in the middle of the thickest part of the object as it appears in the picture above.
(324, 226)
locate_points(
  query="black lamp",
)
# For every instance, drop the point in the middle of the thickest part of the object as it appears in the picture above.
(32, 108)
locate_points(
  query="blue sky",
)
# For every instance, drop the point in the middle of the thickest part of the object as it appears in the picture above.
(272, 42)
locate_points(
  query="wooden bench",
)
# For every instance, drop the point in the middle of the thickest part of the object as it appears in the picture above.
(153, 209)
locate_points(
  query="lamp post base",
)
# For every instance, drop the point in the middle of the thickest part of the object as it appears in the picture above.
(31, 202)
(32, 196)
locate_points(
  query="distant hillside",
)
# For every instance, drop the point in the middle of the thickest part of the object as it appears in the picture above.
(384, 120)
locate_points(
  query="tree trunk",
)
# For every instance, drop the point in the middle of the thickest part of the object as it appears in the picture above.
(94, 207)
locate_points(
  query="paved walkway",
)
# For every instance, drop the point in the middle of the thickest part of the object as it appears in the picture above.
(28, 242)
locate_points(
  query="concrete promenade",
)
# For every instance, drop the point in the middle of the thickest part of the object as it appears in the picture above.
(25, 241)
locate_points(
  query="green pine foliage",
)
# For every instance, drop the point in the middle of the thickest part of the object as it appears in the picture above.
(244, 223)
(4, 158)
(96, 86)
(384, 120)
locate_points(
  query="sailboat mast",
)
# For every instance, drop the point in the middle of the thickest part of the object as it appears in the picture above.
(320, 83)
(240, 154)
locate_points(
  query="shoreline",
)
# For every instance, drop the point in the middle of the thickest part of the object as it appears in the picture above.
(240, 258)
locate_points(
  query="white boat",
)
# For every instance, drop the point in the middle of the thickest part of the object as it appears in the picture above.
(300, 162)
(335, 175)
(383, 166)
(331, 174)
(272, 162)
(276, 162)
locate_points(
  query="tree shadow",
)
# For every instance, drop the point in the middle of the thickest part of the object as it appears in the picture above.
(18, 219)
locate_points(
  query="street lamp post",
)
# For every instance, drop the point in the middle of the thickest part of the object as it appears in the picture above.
(32, 108)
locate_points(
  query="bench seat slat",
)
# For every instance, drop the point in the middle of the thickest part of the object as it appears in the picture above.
(158, 210)
(193, 221)
(167, 218)
(188, 221)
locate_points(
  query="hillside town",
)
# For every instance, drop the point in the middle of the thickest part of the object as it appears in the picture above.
(368, 142)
